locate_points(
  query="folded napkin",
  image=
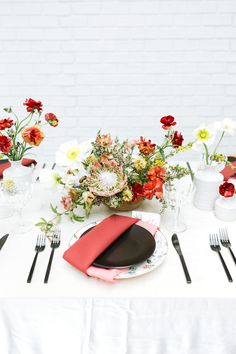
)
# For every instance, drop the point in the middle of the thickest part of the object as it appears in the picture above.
(4, 164)
(228, 172)
(83, 252)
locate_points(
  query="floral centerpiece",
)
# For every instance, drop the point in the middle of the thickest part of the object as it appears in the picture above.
(117, 173)
(18, 136)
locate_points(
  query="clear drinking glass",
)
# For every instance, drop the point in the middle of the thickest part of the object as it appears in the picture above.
(177, 193)
(19, 195)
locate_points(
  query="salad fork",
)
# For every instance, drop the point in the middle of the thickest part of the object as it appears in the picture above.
(215, 246)
(39, 247)
(224, 239)
(55, 243)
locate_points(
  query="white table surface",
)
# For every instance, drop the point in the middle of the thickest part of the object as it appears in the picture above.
(154, 313)
(208, 277)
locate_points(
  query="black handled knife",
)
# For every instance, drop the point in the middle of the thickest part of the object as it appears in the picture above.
(3, 240)
(176, 245)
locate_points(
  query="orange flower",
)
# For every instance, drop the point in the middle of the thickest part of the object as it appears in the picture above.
(145, 146)
(156, 172)
(104, 140)
(33, 135)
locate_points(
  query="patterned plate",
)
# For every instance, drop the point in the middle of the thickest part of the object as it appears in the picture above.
(147, 266)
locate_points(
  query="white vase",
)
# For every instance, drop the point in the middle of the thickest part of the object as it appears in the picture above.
(18, 173)
(225, 208)
(207, 182)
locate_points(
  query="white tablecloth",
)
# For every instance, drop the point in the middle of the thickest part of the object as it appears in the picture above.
(155, 313)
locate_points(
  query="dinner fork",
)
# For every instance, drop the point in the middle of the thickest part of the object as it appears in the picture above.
(55, 243)
(224, 239)
(215, 246)
(39, 247)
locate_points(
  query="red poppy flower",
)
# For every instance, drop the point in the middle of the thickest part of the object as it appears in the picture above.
(51, 119)
(177, 139)
(167, 122)
(153, 188)
(227, 189)
(33, 105)
(156, 172)
(137, 190)
(32, 135)
(6, 123)
(5, 144)
(145, 146)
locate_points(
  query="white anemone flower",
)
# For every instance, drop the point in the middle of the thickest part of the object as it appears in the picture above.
(71, 154)
(226, 125)
(49, 178)
(204, 135)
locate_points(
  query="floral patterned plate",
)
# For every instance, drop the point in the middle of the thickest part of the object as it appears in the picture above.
(136, 270)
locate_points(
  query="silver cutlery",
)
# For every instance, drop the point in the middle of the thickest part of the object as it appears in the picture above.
(54, 165)
(55, 243)
(39, 247)
(3, 240)
(176, 245)
(224, 239)
(215, 246)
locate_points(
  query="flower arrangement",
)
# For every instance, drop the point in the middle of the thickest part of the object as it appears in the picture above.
(227, 190)
(17, 136)
(113, 172)
(212, 135)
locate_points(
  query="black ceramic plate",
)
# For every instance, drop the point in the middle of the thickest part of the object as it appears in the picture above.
(134, 246)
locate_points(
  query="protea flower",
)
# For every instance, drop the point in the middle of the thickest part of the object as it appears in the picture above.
(106, 181)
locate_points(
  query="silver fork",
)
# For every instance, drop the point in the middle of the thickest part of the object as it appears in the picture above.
(215, 246)
(55, 243)
(39, 247)
(224, 239)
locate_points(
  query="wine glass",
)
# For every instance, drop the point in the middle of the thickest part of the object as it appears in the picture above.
(177, 193)
(19, 194)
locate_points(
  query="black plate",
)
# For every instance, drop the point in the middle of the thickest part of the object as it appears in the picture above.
(134, 246)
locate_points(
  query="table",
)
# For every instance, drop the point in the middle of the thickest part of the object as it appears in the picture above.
(156, 313)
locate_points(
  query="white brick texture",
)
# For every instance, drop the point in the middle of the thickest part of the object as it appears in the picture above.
(120, 65)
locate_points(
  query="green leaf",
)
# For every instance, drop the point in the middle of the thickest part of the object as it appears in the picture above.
(54, 209)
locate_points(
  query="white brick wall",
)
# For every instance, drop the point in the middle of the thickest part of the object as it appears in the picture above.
(120, 65)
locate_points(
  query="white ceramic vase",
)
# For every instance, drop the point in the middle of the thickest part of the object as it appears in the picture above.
(207, 182)
(18, 173)
(225, 208)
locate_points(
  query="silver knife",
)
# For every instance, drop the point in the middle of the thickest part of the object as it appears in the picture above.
(3, 240)
(176, 245)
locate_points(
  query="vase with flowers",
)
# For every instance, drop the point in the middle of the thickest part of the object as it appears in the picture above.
(117, 174)
(19, 136)
(208, 178)
(225, 204)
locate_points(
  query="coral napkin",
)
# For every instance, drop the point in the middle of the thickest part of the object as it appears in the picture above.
(82, 254)
(228, 172)
(84, 251)
(4, 164)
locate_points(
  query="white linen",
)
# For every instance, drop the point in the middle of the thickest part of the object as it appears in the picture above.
(117, 326)
(156, 313)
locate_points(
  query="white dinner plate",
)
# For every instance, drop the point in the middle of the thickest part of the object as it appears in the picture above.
(136, 270)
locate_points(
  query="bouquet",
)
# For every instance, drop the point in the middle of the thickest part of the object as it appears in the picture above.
(113, 172)
(17, 136)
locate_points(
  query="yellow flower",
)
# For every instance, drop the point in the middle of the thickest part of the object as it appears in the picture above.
(140, 164)
(204, 134)
(127, 195)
